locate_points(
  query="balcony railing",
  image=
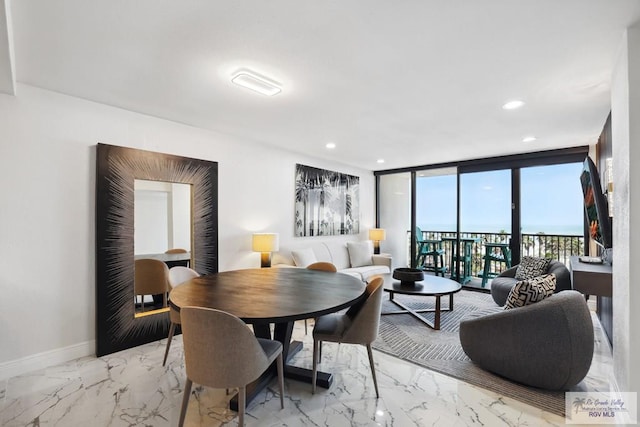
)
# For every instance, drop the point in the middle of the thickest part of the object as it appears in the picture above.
(558, 247)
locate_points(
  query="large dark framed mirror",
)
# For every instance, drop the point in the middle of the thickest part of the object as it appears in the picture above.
(117, 169)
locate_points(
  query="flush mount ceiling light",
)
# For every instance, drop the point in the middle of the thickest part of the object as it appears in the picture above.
(512, 105)
(529, 138)
(380, 161)
(330, 145)
(254, 81)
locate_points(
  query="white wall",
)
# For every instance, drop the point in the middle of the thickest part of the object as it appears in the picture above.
(625, 121)
(47, 216)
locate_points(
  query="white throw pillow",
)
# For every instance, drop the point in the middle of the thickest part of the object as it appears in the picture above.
(360, 253)
(303, 257)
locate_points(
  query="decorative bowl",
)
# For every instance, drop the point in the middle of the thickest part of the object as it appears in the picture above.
(408, 276)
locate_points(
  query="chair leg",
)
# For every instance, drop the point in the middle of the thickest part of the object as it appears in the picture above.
(185, 402)
(319, 351)
(280, 365)
(172, 330)
(242, 403)
(314, 375)
(305, 326)
(373, 369)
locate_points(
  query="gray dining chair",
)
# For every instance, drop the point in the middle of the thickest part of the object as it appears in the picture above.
(359, 325)
(320, 266)
(151, 277)
(177, 275)
(220, 351)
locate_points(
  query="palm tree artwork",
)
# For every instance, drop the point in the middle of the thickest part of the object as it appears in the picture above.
(326, 202)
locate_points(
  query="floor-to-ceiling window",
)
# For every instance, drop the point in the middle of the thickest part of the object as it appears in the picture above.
(487, 212)
(552, 211)
(394, 215)
(485, 217)
(436, 200)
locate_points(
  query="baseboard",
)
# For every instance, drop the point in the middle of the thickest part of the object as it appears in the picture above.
(43, 360)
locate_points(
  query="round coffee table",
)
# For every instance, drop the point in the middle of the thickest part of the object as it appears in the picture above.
(431, 286)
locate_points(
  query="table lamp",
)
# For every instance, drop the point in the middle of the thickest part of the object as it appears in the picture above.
(265, 243)
(376, 234)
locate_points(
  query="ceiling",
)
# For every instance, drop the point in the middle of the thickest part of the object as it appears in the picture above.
(412, 82)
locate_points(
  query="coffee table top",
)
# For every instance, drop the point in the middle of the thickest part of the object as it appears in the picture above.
(431, 285)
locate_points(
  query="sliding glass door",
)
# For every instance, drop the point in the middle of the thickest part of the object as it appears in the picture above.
(552, 211)
(436, 218)
(485, 214)
(485, 224)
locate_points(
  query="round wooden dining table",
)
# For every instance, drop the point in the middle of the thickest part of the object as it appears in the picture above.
(273, 296)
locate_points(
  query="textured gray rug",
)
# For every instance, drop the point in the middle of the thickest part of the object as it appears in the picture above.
(407, 338)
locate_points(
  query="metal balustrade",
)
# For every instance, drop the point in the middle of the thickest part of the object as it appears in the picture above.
(558, 247)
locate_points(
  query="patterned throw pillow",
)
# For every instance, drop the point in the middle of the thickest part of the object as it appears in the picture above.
(531, 267)
(530, 291)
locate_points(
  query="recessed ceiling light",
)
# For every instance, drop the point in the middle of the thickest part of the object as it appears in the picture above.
(254, 81)
(330, 145)
(529, 138)
(512, 105)
(380, 160)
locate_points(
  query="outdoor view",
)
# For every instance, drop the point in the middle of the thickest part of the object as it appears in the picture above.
(551, 210)
(551, 201)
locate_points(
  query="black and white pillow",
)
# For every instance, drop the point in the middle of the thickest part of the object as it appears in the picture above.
(531, 291)
(531, 267)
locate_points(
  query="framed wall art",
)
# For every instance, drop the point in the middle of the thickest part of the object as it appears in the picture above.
(327, 203)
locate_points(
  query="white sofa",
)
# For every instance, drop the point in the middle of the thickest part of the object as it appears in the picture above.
(354, 258)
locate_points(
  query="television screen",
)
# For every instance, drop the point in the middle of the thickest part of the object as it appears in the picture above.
(595, 205)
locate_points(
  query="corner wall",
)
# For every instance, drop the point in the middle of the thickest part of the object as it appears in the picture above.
(47, 215)
(625, 120)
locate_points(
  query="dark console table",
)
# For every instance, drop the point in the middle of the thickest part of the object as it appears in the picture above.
(595, 279)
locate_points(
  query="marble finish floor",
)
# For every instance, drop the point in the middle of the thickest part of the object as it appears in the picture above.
(131, 388)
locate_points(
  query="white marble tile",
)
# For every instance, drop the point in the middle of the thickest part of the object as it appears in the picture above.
(131, 388)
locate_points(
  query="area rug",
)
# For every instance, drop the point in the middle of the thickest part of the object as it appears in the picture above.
(405, 337)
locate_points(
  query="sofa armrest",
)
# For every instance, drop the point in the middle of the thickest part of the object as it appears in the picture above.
(382, 260)
(509, 272)
(548, 344)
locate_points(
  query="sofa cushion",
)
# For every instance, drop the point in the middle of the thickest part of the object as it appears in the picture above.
(530, 291)
(337, 254)
(365, 272)
(360, 253)
(303, 257)
(531, 267)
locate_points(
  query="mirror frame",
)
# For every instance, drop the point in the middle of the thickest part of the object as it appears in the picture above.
(117, 328)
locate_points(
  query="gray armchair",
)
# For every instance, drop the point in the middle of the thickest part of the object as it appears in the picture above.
(502, 284)
(548, 344)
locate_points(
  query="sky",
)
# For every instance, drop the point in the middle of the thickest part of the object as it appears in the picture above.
(551, 201)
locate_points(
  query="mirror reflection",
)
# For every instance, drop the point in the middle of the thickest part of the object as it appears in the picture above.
(162, 239)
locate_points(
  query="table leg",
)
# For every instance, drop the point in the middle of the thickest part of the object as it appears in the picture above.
(416, 313)
(487, 264)
(436, 317)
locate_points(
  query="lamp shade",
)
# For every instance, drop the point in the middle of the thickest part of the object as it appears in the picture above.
(377, 234)
(265, 242)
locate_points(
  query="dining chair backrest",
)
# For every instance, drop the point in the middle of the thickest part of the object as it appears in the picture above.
(322, 266)
(175, 251)
(220, 351)
(180, 274)
(365, 316)
(151, 277)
